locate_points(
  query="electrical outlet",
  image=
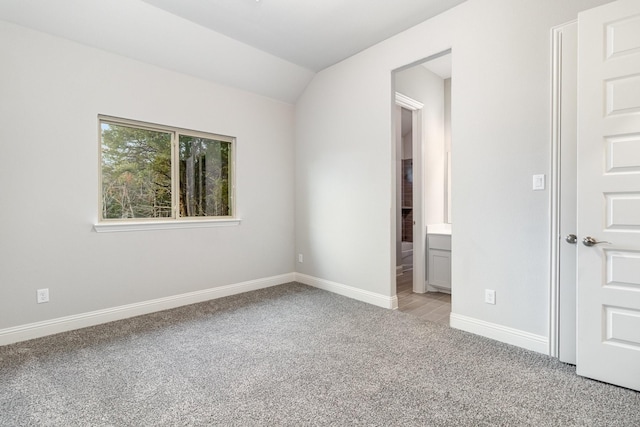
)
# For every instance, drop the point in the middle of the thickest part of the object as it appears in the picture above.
(300, 258)
(489, 296)
(42, 295)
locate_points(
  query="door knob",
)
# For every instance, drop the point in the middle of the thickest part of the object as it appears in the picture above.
(590, 241)
(571, 238)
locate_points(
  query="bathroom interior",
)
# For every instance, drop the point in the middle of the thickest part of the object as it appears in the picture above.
(423, 164)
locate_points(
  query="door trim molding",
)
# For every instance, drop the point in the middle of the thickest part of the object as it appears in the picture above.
(408, 103)
(555, 193)
(554, 187)
(419, 244)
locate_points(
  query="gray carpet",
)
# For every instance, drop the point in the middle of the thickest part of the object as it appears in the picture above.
(293, 355)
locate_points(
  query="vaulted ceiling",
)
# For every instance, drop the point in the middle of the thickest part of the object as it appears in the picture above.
(270, 47)
(312, 34)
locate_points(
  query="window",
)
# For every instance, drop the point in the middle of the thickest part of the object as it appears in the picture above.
(151, 173)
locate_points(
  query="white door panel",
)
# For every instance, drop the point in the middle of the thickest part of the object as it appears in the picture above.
(623, 153)
(608, 346)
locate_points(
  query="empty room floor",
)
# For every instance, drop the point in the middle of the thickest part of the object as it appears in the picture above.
(432, 306)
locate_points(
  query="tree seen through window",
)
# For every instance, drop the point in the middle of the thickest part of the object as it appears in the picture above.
(137, 173)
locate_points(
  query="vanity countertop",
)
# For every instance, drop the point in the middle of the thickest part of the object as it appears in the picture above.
(439, 229)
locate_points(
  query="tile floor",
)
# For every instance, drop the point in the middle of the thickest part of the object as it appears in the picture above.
(432, 306)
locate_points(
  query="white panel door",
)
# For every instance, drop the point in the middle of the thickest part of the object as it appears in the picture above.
(608, 310)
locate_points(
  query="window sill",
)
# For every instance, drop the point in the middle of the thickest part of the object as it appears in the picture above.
(114, 227)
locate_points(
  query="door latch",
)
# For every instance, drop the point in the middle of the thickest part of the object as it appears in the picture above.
(590, 241)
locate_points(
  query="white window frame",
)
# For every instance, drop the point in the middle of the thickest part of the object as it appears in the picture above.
(175, 222)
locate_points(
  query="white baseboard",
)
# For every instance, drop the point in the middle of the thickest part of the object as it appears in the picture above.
(83, 320)
(501, 333)
(349, 291)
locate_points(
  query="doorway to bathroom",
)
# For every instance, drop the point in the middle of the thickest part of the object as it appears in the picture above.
(405, 223)
(422, 123)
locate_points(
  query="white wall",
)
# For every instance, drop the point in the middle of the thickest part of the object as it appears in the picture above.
(447, 149)
(51, 91)
(447, 115)
(407, 142)
(344, 177)
(501, 134)
(406, 129)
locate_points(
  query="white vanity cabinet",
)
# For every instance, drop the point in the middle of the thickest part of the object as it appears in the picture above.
(439, 262)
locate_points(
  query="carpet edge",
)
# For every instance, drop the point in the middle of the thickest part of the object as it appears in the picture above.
(349, 291)
(516, 337)
(68, 323)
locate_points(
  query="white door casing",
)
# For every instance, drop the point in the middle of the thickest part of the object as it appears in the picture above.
(419, 242)
(562, 336)
(608, 293)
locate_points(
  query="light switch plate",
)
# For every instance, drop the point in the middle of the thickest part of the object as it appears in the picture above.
(538, 182)
(489, 296)
(42, 295)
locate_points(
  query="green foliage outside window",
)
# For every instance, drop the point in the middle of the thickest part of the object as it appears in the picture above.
(137, 174)
(204, 177)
